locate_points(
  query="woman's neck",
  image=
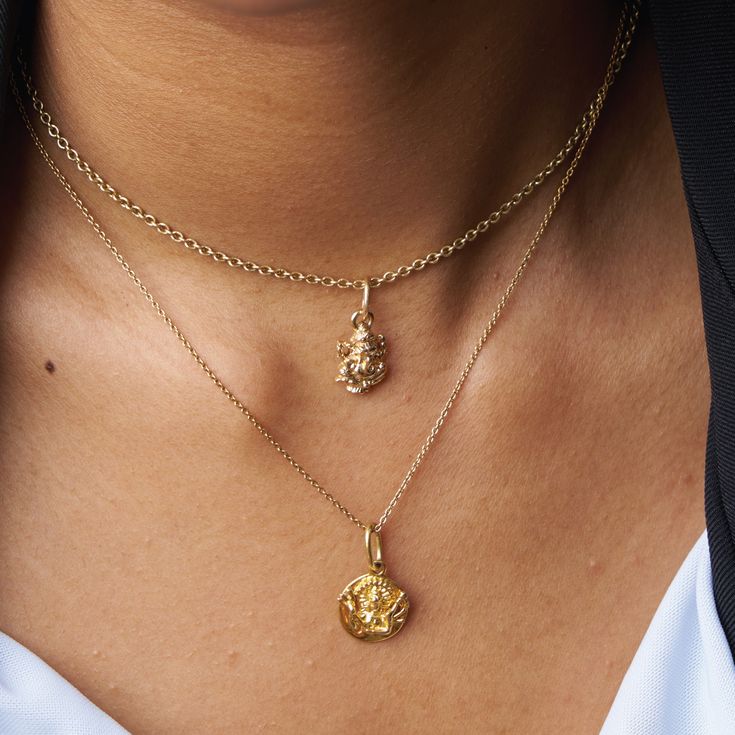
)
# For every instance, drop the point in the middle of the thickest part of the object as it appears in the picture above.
(346, 136)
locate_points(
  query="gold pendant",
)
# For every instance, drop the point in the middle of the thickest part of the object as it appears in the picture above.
(373, 607)
(363, 354)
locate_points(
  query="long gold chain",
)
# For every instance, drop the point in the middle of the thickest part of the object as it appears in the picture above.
(297, 276)
(624, 35)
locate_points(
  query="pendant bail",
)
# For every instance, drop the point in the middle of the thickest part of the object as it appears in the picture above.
(374, 547)
(365, 308)
(363, 317)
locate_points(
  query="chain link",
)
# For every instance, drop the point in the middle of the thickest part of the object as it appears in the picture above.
(251, 266)
(624, 35)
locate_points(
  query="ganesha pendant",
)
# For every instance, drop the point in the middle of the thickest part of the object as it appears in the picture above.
(373, 607)
(362, 356)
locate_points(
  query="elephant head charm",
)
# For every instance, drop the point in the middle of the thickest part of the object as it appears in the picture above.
(363, 364)
(362, 356)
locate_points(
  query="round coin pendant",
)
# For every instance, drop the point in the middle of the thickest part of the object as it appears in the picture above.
(373, 607)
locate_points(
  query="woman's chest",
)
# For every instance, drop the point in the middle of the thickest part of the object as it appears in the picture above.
(162, 557)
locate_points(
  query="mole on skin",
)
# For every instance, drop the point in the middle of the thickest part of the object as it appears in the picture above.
(50, 367)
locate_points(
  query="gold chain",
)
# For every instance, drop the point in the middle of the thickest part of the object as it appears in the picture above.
(624, 35)
(250, 266)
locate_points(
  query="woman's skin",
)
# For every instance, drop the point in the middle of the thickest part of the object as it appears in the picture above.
(158, 553)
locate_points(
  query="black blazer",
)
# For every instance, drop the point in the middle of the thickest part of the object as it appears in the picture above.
(695, 40)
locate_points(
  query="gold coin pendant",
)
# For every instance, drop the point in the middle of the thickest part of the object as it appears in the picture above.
(373, 607)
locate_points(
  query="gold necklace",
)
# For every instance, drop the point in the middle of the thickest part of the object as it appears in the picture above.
(372, 607)
(362, 357)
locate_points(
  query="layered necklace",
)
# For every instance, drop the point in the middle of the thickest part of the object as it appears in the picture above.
(362, 357)
(372, 607)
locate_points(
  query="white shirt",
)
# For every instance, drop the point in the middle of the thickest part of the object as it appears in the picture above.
(681, 680)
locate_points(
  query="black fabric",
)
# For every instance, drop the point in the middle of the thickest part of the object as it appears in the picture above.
(696, 49)
(695, 40)
(9, 12)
